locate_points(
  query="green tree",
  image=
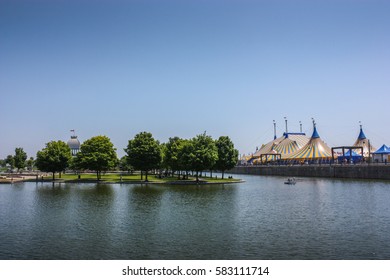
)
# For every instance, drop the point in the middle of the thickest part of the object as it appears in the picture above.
(227, 154)
(98, 154)
(20, 158)
(186, 156)
(54, 157)
(205, 153)
(10, 161)
(144, 153)
(124, 164)
(171, 154)
(30, 163)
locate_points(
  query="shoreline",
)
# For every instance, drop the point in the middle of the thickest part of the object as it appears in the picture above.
(358, 171)
(47, 179)
(337, 171)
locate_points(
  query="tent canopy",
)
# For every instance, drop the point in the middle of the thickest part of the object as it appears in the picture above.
(314, 149)
(348, 154)
(362, 141)
(284, 145)
(383, 150)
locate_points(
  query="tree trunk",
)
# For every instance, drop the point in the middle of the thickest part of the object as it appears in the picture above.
(197, 176)
(54, 176)
(59, 176)
(222, 174)
(141, 175)
(146, 176)
(98, 175)
(211, 173)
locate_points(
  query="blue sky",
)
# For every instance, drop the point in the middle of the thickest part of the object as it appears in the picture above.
(179, 68)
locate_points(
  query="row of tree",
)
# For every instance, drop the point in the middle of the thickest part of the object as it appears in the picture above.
(18, 160)
(197, 154)
(143, 153)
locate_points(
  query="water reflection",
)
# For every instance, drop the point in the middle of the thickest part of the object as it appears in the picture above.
(260, 219)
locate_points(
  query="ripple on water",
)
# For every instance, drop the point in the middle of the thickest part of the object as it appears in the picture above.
(259, 219)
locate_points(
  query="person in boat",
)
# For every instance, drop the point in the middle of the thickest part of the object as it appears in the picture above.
(291, 180)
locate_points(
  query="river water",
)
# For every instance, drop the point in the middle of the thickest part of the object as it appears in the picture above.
(261, 218)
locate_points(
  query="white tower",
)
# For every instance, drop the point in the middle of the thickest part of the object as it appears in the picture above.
(74, 144)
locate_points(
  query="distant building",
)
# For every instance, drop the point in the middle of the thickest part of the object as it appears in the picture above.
(74, 144)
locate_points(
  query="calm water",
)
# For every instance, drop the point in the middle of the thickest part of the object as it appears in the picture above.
(259, 219)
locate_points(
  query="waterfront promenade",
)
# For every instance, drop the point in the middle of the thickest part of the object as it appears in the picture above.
(358, 171)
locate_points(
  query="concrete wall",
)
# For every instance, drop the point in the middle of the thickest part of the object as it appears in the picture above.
(331, 171)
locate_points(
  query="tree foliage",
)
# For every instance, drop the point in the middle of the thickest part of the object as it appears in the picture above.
(10, 161)
(144, 153)
(186, 155)
(227, 154)
(124, 164)
(205, 153)
(54, 157)
(97, 154)
(20, 158)
(200, 153)
(30, 163)
(171, 153)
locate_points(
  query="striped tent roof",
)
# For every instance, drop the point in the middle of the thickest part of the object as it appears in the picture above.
(291, 143)
(284, 145)
(314, 149)
(266, 157)
(246, 157)
(362, 141)
(267, 148)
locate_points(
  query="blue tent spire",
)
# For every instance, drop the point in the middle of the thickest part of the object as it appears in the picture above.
(361, 134)
(315, 133)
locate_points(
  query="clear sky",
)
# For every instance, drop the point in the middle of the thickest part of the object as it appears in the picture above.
(179, 68)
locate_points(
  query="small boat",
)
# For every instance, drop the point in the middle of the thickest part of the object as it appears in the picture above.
(290, 181)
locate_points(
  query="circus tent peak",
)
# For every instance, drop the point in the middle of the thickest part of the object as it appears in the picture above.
(361, 136)
(315, 133)
(362, 141)
(316, 148)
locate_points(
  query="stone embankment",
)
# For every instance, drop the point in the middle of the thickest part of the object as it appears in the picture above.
(364, 171)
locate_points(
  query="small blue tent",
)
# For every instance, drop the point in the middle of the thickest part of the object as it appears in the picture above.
(350, 158)
(382, 150)
(382, 154)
